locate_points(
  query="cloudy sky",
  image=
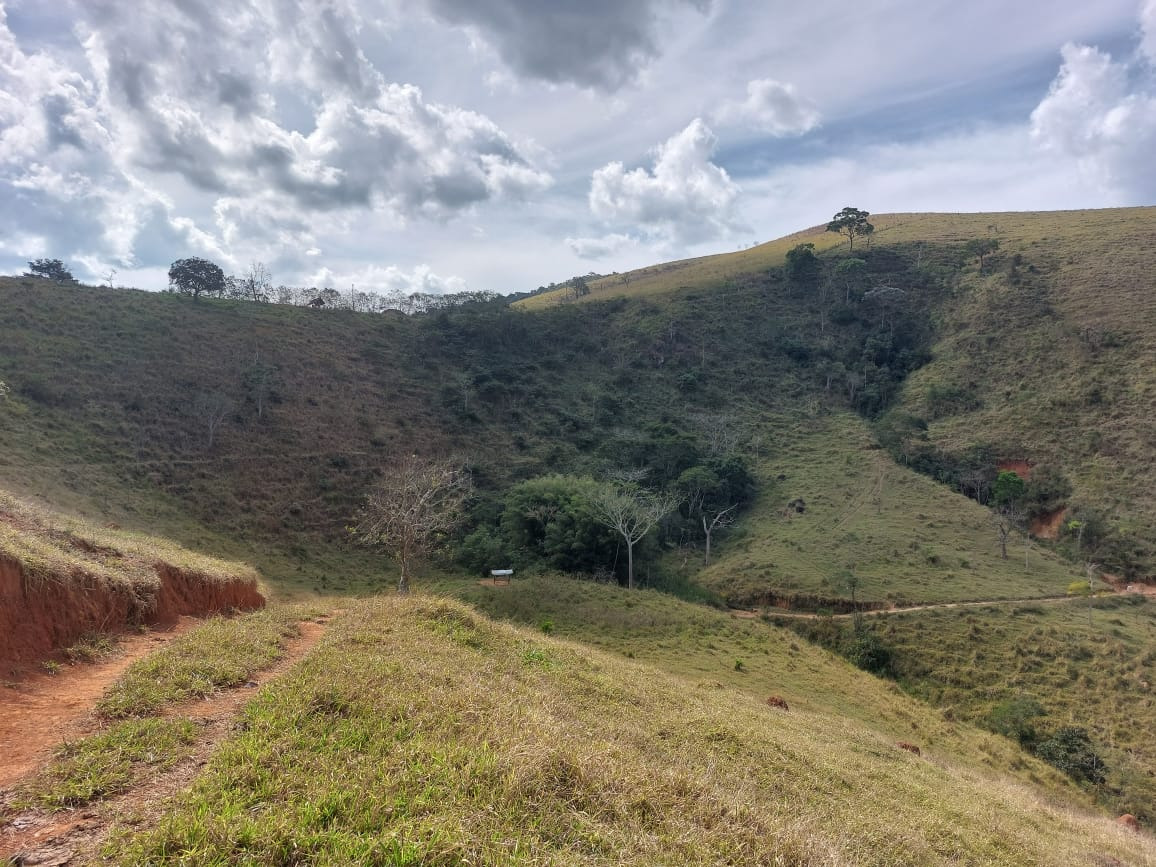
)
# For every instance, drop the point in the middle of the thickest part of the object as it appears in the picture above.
(438, 145)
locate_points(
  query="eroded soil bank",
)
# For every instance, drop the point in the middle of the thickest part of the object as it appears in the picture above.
(39, 615)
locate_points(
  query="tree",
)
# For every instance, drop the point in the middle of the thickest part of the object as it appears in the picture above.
(49, 269)
(1008, 489)
(195, 277)
(1071, 750)
(853, 223)
(211, 408)
(632, 513)
(1006, 518)
(981, 248)
(254, 285)
(802, 264)
(851, 272)
(409, 513)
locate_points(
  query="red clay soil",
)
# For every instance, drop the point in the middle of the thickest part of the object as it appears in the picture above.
(1023, 469)
(40, 711)
(40, 616)
(1047, 525)
(74, 837)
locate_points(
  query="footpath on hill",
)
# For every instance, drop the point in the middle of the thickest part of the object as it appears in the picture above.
(754, 613)
(49, 710)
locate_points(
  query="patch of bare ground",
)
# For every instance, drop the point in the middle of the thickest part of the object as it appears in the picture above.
(40, 710)
(74, 837)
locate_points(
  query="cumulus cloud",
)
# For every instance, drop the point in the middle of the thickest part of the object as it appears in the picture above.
(598, 44)
(685, 198)
(1094, 114)
(772, 107)
(420, 278)
(601, 247)
(191, 108)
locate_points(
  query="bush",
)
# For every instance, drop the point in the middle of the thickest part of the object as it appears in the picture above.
(1070, 750)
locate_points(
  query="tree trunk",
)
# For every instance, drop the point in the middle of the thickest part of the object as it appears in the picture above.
(706, 530)
(629, 565)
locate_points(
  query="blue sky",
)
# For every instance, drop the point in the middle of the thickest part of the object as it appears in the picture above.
(437, 145)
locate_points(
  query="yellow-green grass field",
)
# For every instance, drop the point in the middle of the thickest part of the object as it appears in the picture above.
(1090, 664)
(907, 538)
(419, 732)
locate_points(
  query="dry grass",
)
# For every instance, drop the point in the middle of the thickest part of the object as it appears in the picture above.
(50, 546)
(420, 732)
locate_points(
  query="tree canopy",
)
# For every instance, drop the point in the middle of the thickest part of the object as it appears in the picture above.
(196, 277)
(851, 222)
(50, 269)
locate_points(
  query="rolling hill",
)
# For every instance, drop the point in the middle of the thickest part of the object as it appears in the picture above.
(870, 423)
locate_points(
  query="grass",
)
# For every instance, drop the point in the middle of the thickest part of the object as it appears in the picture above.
(107, 763)
(905, 537)
(704, 272)
(220, 653)
(1095, 672)
(504, 746)
(702, 645)
(50, 546)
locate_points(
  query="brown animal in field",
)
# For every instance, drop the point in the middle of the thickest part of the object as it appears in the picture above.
(911, 748)
(1129, 821)
(779, 702)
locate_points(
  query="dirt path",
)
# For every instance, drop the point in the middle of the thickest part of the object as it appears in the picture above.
(751, 614)
(73, 837)
(41, 710)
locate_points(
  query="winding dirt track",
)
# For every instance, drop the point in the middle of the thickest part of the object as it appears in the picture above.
(750, 613)
(73, 837)
(43, 709)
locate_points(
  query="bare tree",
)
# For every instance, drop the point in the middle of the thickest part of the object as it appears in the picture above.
(1006, 519)
(632, 513)
(211, 408)
(412, 510)
(711, 521)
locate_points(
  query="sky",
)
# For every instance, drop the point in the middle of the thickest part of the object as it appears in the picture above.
(446, 145)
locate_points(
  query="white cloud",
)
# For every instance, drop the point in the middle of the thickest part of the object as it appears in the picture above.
(1148, 30)
(420, 278)
(1094, 115)
(602, 247)
(685, 198)
(772, 107)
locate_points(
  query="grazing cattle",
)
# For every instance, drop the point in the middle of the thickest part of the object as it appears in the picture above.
(911, 748)
(1129, 821)
(779, 702)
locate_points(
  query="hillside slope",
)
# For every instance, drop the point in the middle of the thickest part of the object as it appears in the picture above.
(500, 746)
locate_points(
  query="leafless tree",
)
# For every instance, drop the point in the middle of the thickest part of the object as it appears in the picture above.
(711, 521)
(211, 408)
(632, 513)
(1007, 519)
(412, 510)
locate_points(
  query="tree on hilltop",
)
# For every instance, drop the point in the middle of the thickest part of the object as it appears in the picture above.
(50, 269)
(196, 277)
(981, 248)
(853, 223)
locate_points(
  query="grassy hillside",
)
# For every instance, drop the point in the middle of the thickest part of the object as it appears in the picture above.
(687, 274)
(904, 537)
(1050, 352)
(504, 746)
(1030, 670)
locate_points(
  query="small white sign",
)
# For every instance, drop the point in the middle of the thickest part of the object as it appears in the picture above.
(501, 573)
